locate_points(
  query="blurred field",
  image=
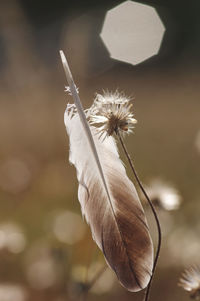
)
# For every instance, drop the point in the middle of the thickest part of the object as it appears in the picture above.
(45, 246)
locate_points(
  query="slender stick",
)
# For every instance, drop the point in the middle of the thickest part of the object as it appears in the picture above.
(92, 282)
(153, 210)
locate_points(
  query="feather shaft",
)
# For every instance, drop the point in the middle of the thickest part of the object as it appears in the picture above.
(83, 120)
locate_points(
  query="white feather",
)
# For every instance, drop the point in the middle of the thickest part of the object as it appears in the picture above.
(108, 198)
(104, 216)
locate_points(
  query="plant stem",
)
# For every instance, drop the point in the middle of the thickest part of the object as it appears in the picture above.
(146, 297)
(92, 282)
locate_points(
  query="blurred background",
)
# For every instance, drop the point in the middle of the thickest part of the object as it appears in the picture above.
(152, 54)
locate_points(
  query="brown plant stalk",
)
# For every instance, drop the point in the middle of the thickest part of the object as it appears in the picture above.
(147, 294)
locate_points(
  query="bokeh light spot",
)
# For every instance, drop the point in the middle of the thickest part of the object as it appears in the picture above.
(68, 227)
(12, 238)
(132, 32)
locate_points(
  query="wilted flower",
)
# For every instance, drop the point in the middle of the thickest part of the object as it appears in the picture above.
(190, 281)
(164, 195)
(113, 112)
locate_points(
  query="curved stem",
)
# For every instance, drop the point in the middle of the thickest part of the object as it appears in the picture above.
(153, 210)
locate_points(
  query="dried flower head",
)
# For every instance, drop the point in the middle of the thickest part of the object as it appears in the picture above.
(164, 195)
(113, 112)
(190, 281)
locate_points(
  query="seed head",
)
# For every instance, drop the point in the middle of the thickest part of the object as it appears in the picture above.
(164, 195)
(190, 281)
(112, 111)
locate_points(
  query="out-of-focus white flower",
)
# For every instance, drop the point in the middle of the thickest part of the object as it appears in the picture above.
(164, 195)
(12, 292)
(190, 281)
(41, 268)
(112, 111)
(41, 273)
(12, 238)
(68, 227)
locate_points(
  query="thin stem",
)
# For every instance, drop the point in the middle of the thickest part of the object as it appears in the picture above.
(89, 259)
(92, 282)
(146, 298)
(97, 276)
